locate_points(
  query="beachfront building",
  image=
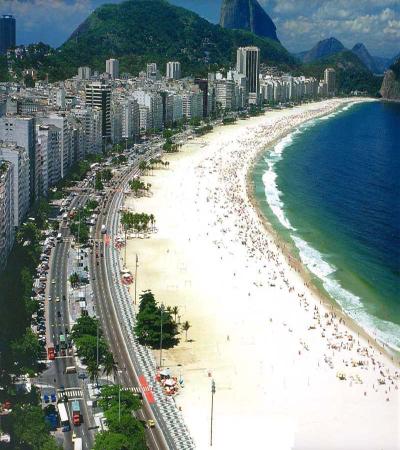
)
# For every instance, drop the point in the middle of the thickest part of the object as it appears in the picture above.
(330, 80)
(49, 157)
(21, 130)
(91, 120)
(7, 229)
(60, 121)
(248, 64)
(18, 157)
(153, 102)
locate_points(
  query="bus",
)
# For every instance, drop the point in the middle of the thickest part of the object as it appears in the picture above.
(64, 420)
(78, 444)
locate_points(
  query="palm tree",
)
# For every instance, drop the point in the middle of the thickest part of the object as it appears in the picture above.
(186, 325)
(175, 311)
(93, 370)
(109, 364)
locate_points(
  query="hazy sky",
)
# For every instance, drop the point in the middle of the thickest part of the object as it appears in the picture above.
(300, 23)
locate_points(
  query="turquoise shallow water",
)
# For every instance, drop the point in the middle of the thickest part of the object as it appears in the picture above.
(331, 189)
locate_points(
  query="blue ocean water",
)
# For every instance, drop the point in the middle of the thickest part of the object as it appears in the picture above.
(332, 190)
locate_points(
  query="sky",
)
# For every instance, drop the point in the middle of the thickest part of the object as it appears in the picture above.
(300, 23)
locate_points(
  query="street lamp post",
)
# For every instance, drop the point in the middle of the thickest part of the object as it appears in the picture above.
(161, 333)
(136, 267)
(212, 410)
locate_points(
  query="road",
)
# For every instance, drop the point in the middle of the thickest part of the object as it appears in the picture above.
(114, 307)
(103, 294)
(59, 324)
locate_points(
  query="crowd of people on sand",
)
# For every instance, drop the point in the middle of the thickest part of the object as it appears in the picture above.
(235, 222)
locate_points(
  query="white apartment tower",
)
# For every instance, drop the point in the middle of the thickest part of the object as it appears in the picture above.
(112, 68)
(7, 229)
(330, 80)
(84, 73)
(21, 130)
(18, 157)
(173, 70)
(248, 64)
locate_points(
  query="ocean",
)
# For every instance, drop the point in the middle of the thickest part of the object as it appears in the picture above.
(331, 189)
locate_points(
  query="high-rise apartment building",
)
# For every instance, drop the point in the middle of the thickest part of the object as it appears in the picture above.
(18, 157)
(330, 80)
(7, 228)
(98, 95)
(61, 121)
(173, 70)
(152, 71)
(21, 130)
(7, 33)
(248, 64)
(49, 156)
(84, 73)
(112, 68)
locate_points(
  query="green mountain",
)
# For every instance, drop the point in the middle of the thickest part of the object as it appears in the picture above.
(351, 73)
(142, 31)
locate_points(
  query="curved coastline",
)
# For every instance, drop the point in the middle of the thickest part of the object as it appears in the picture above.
(291, 252)
(273, 347)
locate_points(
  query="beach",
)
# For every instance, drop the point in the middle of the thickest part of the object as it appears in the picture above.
(290, 371)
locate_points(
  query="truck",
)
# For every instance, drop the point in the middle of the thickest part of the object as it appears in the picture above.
(51, 354)
(103, 229)
(76, 412)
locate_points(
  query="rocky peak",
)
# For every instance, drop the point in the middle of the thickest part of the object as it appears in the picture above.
(247, 15)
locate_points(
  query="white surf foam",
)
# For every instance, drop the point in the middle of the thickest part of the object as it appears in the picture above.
(384, 331)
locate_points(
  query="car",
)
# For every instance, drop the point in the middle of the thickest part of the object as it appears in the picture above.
(151, 423)
(57, 299)
(53, 398)
(58, 314)
(64, 298)
(82, 376)
(49, 298)
(46, 398)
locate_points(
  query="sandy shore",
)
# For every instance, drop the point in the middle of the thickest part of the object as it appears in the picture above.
(273, 348)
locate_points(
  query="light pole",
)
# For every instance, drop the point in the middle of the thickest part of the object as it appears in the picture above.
(161, 332)
(136, 267)
(212, 410)
(119, 395)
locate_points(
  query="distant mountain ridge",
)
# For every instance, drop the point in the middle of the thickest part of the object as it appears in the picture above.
(331, 46)
(363, 54)
(323, 49)
(247, 15)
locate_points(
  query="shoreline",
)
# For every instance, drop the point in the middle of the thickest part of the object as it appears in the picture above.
(252, 316)
(289, 251)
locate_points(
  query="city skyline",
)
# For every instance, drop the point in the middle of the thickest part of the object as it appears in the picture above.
(300, 25)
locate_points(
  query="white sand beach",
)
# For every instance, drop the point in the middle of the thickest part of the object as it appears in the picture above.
(273, 349)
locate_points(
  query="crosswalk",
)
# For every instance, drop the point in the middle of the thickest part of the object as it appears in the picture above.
(77, 394)
(138, 390)
(70, 393)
